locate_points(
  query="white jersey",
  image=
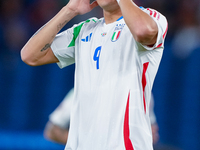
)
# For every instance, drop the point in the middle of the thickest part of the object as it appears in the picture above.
(114, 75)
(152, 115)
(61, 115)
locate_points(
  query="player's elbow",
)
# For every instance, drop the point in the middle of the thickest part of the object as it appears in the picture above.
(27, 57)
(146, 35)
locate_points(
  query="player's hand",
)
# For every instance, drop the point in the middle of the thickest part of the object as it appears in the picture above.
(155, 133)
(81, 7)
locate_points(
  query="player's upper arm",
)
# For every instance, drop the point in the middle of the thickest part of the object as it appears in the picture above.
(162, 25)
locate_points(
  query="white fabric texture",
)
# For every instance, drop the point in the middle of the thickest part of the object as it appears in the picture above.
(111, 69)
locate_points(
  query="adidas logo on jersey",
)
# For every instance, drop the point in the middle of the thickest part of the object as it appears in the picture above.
(87, 39)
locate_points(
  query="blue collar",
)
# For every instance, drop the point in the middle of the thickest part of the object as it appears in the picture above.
(120, 18)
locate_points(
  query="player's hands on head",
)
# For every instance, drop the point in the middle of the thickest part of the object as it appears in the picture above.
(81, 7)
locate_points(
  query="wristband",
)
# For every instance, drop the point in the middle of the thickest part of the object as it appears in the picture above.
(118, 1)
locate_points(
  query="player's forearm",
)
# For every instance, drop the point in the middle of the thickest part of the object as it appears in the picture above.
(141, 25)
(39, 45)
(61, 137)
(55, 133)
(58, 136)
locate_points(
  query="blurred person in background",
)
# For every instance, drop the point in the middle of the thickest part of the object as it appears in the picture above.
(187, 36)
(98, 105)
(57, 128)
(154, 124)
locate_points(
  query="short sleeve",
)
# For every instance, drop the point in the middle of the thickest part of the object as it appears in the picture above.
(162, 24)
(61, 49)
(63, 45)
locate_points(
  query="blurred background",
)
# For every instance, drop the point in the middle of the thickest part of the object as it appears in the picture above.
(29, 94)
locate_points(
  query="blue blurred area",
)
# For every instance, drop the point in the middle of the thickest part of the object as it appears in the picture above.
(26, 141)
(29, 94)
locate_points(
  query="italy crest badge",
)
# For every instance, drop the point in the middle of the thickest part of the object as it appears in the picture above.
(117, 32)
